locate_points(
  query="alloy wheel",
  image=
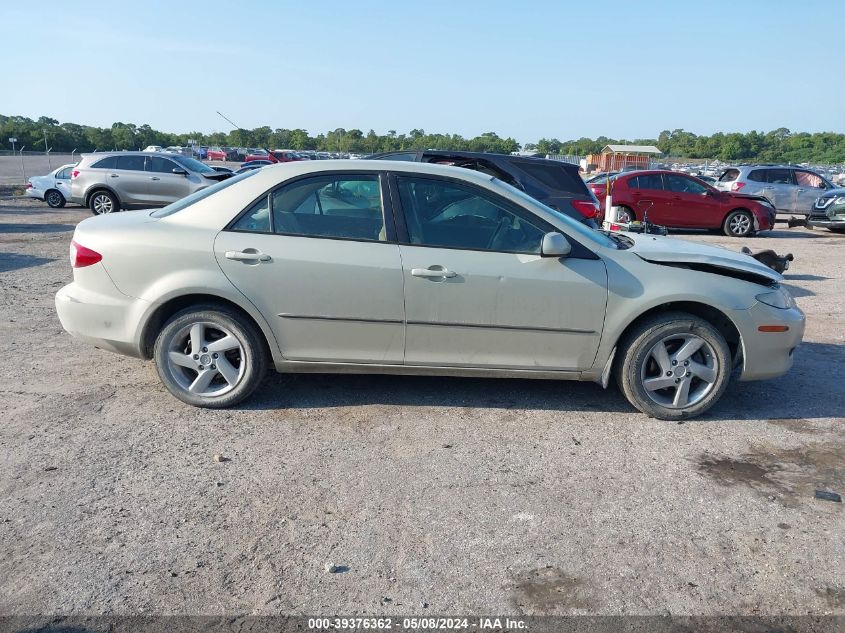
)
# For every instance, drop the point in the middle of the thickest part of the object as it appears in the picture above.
(740, 224)
(679, 371)
(102, 204)
(54, 198)
(206, 359)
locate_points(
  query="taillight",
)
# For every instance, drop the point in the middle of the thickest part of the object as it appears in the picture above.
(29, 185)
(74, 174)
(737, 186)
(80, 256)
(587, 208)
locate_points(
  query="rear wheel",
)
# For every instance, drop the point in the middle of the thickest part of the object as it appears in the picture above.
(102, 202)
(624, 215)
(738, 224)
(54, 199)
(673, 366)
(210, 356)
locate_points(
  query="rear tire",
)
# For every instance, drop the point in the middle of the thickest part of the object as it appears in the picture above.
(102, 202)
(660, 378)
(738, 224)
(625, 215)
(210, 356)
(54, 199)
(837, 230)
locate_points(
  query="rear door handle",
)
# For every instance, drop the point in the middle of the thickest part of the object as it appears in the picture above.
(113, 176)
(433, 272)
(154, 178)
(248, 256)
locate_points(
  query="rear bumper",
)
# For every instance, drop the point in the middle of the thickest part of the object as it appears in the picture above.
(768, 354)
(34, 193)
(107, 321)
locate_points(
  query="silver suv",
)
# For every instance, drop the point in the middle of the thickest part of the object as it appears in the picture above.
(790, 189)
(107, 182)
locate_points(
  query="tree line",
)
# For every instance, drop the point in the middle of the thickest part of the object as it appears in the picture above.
(779, 145)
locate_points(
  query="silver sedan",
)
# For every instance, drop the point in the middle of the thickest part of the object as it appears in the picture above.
(408, 268)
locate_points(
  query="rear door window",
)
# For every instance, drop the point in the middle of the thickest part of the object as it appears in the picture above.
(780, 176)
(758, 175)
(337, 206)
(131, 163)
(653, 182)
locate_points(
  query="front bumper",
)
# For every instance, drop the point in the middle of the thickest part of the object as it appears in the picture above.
(768, 354)
(826, 222)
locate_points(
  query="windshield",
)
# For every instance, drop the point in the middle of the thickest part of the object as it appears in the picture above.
(577, 229)
(192, 164)
(202, 194)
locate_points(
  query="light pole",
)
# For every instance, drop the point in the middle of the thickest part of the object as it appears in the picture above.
(46, 151)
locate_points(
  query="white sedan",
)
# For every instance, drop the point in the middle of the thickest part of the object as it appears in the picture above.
(410, 268)
(54, 188)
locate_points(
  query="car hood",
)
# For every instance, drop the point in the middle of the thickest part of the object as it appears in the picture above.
(715, 259)
(834, 193)
(746, 196)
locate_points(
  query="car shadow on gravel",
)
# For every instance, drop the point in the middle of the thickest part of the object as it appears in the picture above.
(35, 228)
(809, 390)
(16, 261)
(345, 390)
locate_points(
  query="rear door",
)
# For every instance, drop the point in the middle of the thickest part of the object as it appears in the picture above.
(648, 194)
(165, 186)
(693, 206)
(313, 256)
(477, 291)
(129, 179)
(62, 181)
(780, 188)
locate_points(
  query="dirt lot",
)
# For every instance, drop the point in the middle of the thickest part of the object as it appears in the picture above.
(467, 496)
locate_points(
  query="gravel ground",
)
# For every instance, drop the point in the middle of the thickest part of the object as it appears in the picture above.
(471, 496)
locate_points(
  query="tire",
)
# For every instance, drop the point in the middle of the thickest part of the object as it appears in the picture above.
(630, 213)
(226, 336)
(738, 224)
(642, 369)
(54, 199)
(837, 230)
(102, 202)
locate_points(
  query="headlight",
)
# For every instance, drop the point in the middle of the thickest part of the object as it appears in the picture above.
(779, 298)
(839, 200)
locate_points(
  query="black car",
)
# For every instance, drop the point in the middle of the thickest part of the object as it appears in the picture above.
(552, 182)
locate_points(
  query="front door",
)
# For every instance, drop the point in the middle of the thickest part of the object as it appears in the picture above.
(313, 257)
(809, 187)
(477, 291)
(694, 206)
(165, 186)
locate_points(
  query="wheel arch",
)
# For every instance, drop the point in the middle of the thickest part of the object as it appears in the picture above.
(718, 319)
(160, 315)
(98, 187)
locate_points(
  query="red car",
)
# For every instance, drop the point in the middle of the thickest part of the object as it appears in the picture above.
(679, 201)
(276, 156)
(216, 153)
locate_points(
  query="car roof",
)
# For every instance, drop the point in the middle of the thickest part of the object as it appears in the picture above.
(492, 156)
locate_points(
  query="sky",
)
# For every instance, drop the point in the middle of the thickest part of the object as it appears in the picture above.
(530, 69)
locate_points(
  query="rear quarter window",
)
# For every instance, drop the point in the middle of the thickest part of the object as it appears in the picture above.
(109, 162)
(729, 175)
(555, 177)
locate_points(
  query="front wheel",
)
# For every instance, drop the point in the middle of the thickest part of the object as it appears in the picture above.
(738, 224)
(673, 366)
(54, 199)
(210, 356)
(625, 216)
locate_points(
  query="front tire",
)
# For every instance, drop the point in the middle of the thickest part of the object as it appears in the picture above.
(625, 215)
(673, 366)
(738, 224)
(54, 199)
(102, 202)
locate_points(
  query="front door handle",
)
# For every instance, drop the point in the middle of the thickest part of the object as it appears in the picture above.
(433, 272)
(250, 255)
(154, 178)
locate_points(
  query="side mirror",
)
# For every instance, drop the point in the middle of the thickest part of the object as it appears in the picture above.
(179, 171)
(555, 245)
